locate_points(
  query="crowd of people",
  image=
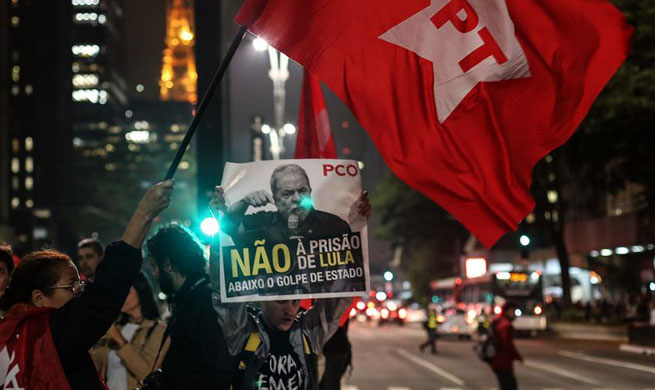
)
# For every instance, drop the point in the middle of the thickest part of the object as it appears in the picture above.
(98, 324)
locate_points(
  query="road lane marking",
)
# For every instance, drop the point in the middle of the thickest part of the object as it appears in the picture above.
(560, 371)
(611, 362)
(432, 367)
(398, 388)
(349, 387)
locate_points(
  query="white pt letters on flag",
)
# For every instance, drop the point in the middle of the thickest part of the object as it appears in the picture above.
(467, 41)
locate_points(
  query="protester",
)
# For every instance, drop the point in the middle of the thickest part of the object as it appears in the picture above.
(431, 328)
(275, 344)
(338, 357)
(6, 268)
(89, 255)
(127, 353)
(47, 333)
(197, 357)
(503, 361)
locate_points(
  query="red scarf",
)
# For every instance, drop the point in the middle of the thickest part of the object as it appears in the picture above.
(28, 357)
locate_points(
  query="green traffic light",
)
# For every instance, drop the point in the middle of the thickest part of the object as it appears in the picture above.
(209, 226)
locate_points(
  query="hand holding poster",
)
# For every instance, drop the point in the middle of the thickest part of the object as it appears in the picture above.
(292, 229)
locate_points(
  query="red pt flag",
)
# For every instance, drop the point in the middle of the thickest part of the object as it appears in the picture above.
(461, 97)
(314, 139)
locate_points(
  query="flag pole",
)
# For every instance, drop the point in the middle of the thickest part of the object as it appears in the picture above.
(218, 76)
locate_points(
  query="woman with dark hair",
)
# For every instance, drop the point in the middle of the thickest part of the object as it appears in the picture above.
(46, 334)
(127, 353)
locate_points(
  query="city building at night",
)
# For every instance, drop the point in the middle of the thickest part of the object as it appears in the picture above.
(35, 128)
(98, 80)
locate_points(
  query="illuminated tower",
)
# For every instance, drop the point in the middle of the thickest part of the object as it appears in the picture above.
(178, 73)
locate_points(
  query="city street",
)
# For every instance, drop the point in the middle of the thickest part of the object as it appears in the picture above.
(388, 357)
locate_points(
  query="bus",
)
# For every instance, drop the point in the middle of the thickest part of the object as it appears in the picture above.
(485, 296)
(444, 292)
(451, 320)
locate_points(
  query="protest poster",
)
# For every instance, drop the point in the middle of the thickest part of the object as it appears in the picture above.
(292, 230)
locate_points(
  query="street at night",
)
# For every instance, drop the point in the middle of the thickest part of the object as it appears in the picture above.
(387, 357)
(311, 194)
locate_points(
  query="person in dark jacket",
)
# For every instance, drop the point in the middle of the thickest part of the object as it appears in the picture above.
(197, 357)
(48, 333)
(503, 362)
(338, 356)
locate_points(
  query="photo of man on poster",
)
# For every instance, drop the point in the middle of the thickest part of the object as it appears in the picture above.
(296, 217)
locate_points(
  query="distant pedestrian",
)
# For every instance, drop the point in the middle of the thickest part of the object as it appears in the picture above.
(431, 328)
(503, 361)
(89, 255)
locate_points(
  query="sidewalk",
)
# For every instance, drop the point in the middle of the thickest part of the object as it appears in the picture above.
(570, 330)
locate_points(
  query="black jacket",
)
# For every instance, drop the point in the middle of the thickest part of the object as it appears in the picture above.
(197, 357)
(81, 322)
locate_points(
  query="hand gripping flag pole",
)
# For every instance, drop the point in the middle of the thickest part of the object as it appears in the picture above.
(218, 76)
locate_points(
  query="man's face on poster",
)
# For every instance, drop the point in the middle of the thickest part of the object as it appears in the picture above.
(290, 190)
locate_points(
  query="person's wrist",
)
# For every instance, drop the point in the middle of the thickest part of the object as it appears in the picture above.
(144, 216)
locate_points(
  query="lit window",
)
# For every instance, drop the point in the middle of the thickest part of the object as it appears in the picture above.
(86, 17)
(15, 55)
(184, 165)
(29, 183)
(14, 3)
(15, 73)
(90, 95)
(15, 90)
(15, 202)
(15, 21)
(110, 166)
(15, 183)
(77, 142)
(76, 67)
(530, 218)
(175, 128)
(15, 145)
(138, 136)
(85, 50)
(29, 144)
(15, 165)
(102, 19)
(552, 196)
(139, 88)
(28, 89)
(85, 3)
(109, 147)
(84, 80)
(29, 203)
(29, 164)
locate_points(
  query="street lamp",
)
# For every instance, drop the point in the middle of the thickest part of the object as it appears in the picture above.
(279, 74)
(524, 240)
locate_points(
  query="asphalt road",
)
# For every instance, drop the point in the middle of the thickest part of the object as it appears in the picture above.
(388, 358)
